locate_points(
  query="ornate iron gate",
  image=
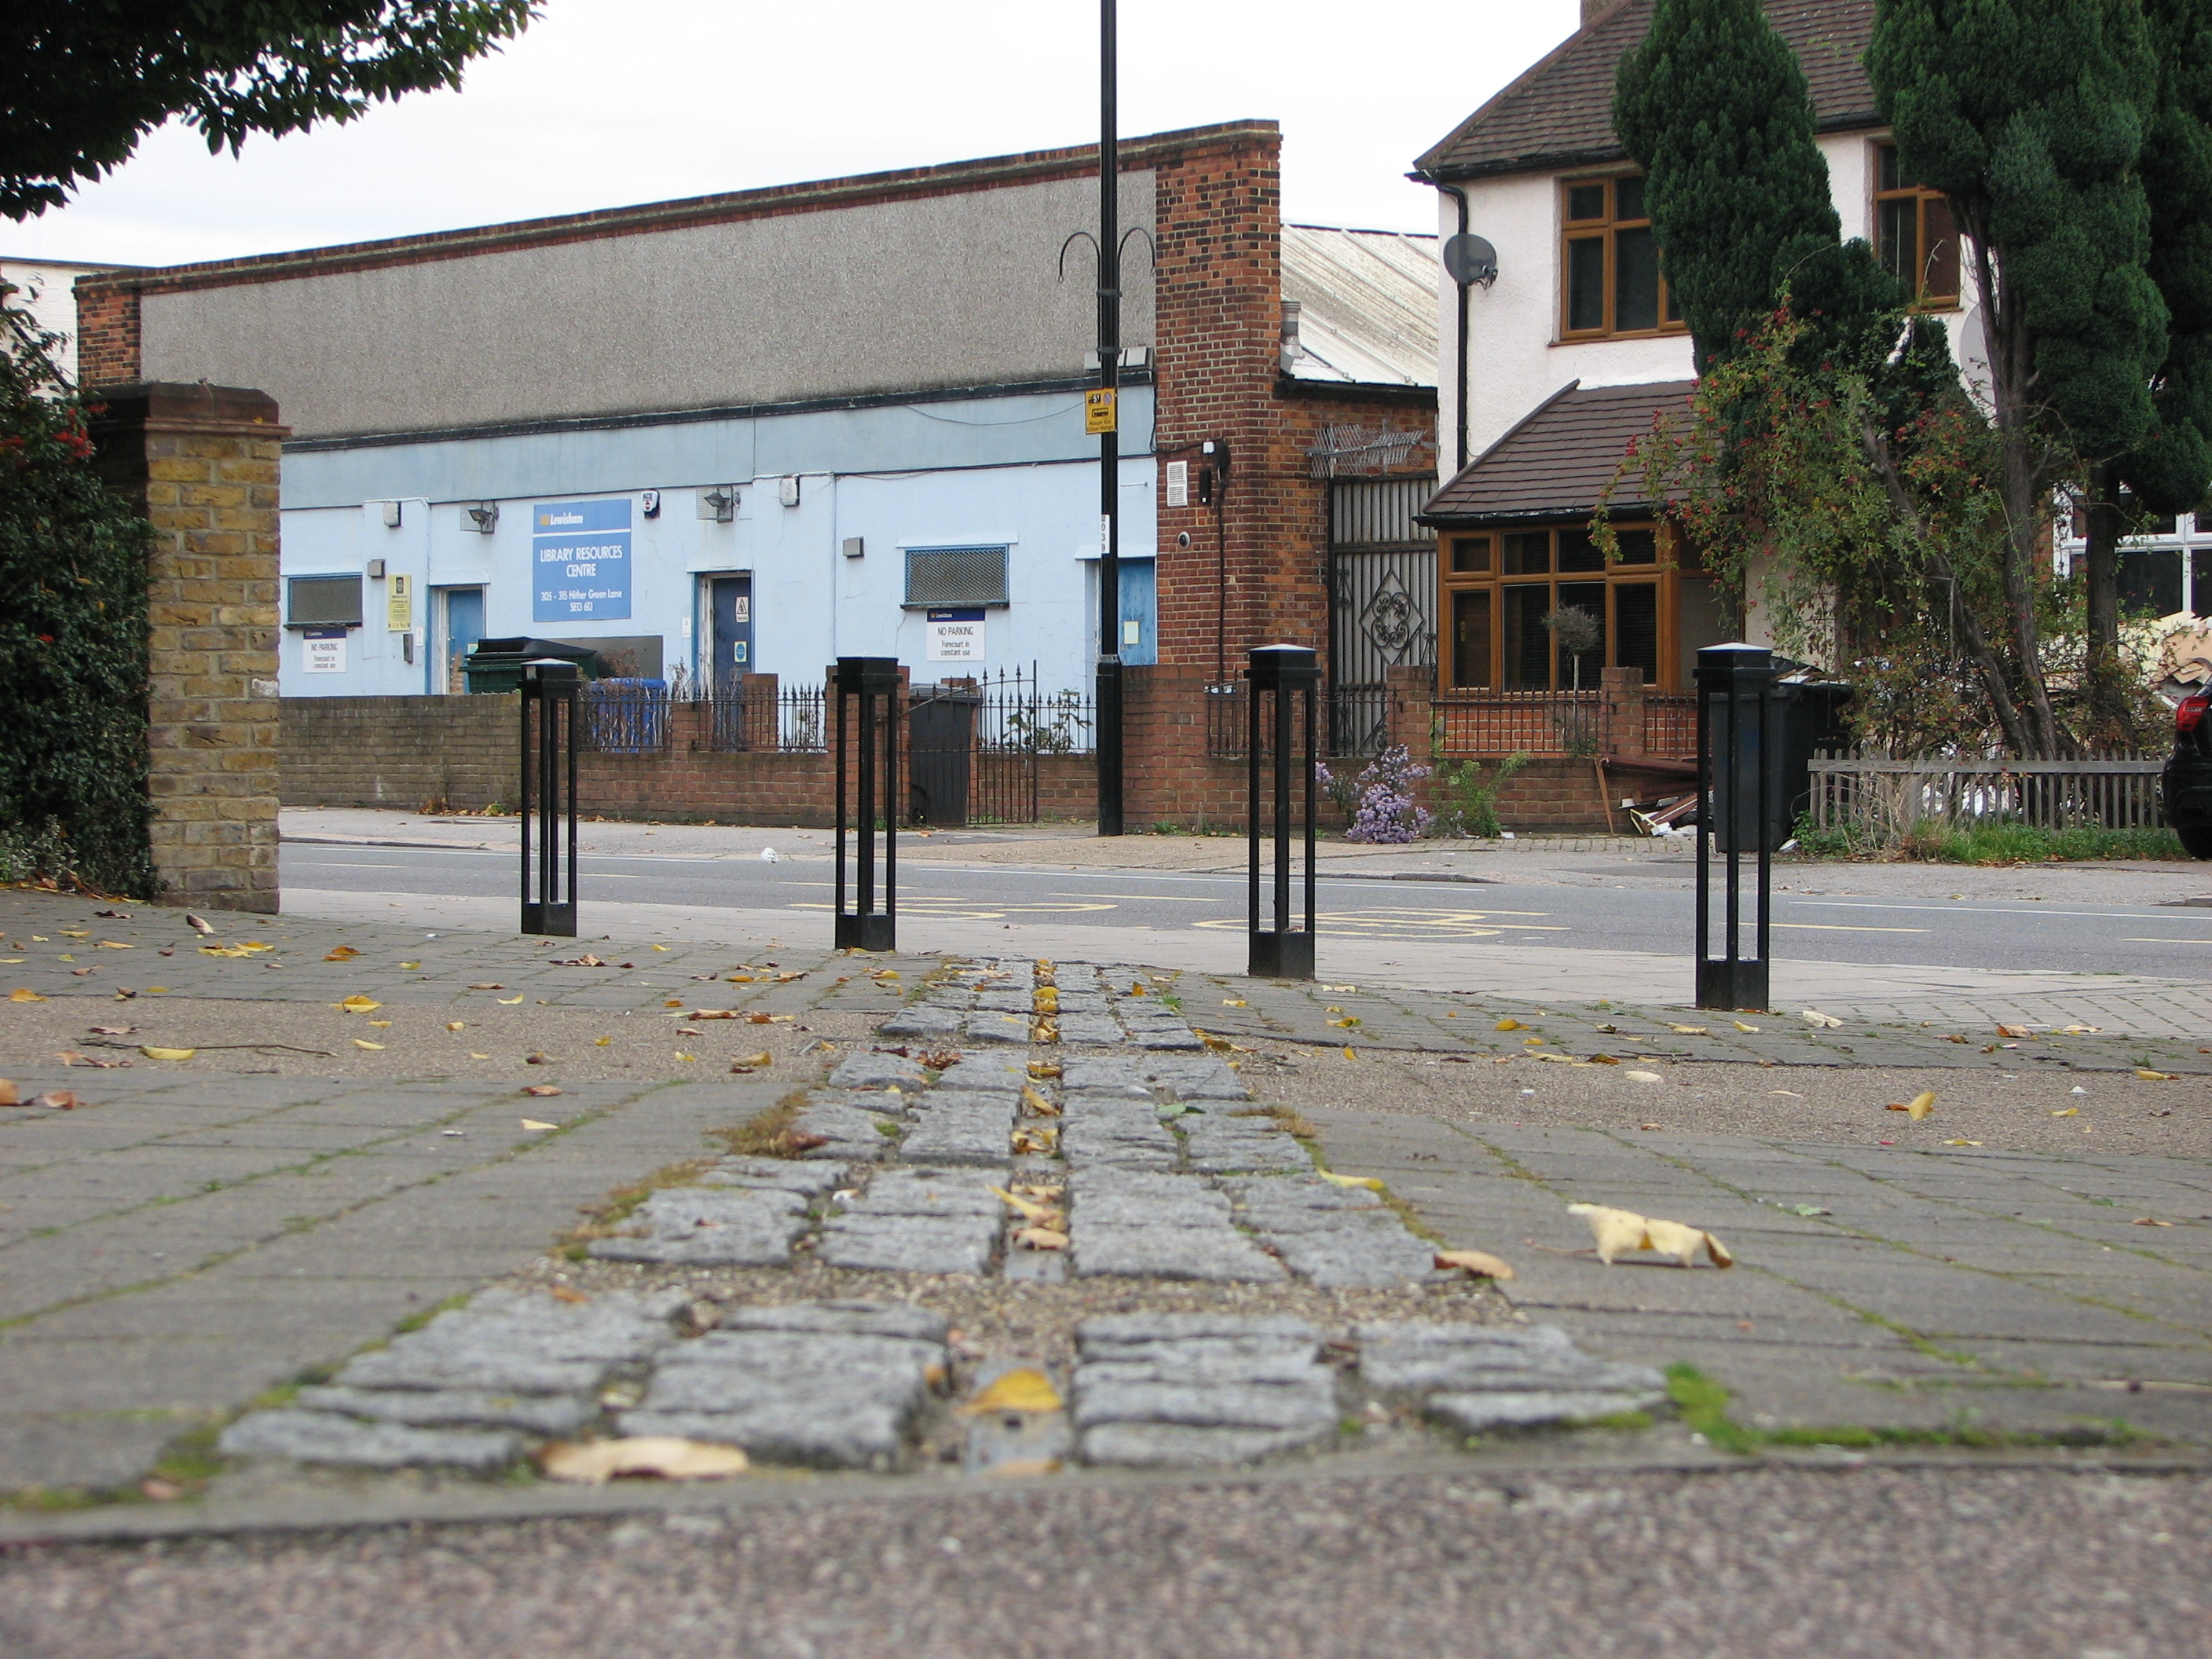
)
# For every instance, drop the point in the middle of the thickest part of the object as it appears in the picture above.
(1381, 602)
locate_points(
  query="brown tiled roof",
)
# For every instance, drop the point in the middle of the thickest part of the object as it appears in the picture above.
(1559, 460)
(1560, 113)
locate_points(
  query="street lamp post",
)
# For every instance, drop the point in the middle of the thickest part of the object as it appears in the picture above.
(1105, 419)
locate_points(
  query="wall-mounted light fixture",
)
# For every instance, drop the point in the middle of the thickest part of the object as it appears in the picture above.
(391, 514)
(856, 547)
(786, 490)
(649, 502)
(375, 568)
(483, 517)
(720, 504)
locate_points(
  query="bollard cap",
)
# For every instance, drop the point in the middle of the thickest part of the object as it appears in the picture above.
(1718, 666)
(1270, 667)
(551, 671)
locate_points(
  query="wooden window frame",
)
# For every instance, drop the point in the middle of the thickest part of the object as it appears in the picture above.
(1604, 229)
(1667, 570)
(1921, 199)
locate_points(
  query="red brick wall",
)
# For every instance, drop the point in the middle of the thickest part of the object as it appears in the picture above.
(1219, 304)
(107, 341)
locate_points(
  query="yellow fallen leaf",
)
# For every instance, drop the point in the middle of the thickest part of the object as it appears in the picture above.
(167, 1054)
(20, 994)
(763, 1058)
(534, 1125)
(76, 933)
(411, 964)
(680, 1055)
(1041, 1069)
(602, 1043)
(1644, 1077)
(1234, 1002)
(1222, 1045)
(1508, 1025)
(1036, 1138)
(457, 1025)
(1372, 1183)
(1605, 1060)
(1347, 1022)
(1024, 1389)
(363, 1043)
(110, 945)
(1042, 1238)
(1477, 1262)
(660, 947)
(1619, 1232)
(1348, 1055)
(1690, 1031)
(2012, 1031)
(1741, 1026)
(341, 953)
(667, 1457)
(1814, 1016)
(507, 1002)
(2154, 1077)
(1037, 1104)
(1920, 1105)
(474, 1056)
(380, 1025)
(2071, 1111)
(2148, 1221)
(1028, 1208)
(541, 1090)
(358, 1004)
(1962, 1143)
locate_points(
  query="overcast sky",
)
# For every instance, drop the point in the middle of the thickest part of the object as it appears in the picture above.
(606, 102)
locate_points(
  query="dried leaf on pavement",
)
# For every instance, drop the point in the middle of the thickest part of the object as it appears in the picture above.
(1619, 1232)
(57, 1100)
(1916, 1108)
(363, 1043)
(2012, 1030)
(1477, 1262)
(341, 953)
(1814, 1016)
(1372, 1183)
(1042, 1238)
(20, 994)
(2148, 1221)
(8, 1095)
(198, 924)
(1037, 1104)
(1644, 1077)
(541, 1090)
(536, 1125)
(1023, 1388)
(752, 1062)
(358, 1004)
(167, 1054)
(667, 1457)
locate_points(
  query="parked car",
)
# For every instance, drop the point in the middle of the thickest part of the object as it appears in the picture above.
(2185, 787)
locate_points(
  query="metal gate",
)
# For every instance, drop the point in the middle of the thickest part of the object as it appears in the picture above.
(1381, 602)
(974, 745)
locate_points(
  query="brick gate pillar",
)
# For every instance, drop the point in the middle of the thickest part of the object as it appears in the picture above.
(200, 462)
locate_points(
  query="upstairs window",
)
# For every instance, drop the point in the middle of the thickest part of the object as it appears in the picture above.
(1610, 283)
(1914, 233)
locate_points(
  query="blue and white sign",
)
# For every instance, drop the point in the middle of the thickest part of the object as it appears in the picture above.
(580, 560)
(955, 636)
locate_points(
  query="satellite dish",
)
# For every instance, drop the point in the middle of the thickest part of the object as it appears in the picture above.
(1471, 259)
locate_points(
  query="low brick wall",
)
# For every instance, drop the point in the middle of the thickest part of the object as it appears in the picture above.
(400, 752)
(403, 752)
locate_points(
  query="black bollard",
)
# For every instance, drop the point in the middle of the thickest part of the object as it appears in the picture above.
(1739, 810)
(1282, 680)
(551, 702)
(866, 690)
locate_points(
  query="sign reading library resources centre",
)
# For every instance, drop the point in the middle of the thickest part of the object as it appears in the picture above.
(580, 555)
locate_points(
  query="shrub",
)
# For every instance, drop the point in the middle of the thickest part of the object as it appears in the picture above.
(1470, 804)
(1386, 810)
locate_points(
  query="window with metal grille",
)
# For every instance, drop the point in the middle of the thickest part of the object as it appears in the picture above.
(323, 601)
(954, 575)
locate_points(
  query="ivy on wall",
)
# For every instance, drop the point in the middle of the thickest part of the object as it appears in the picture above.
(73, 645)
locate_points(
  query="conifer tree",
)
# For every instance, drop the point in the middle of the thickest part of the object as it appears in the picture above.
(1713, 105)
(2031, 115)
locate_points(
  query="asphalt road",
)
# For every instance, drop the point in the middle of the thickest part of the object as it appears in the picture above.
(1606, 909)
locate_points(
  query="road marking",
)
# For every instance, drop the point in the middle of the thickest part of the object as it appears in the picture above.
(1147, 898)
(2172, 940)
(1974, 910)
(1844, 927)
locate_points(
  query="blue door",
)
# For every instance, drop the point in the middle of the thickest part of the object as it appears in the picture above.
(1141, 643)
(464, 626)
(731, 600)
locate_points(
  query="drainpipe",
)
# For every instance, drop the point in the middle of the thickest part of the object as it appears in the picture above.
(1459, 399)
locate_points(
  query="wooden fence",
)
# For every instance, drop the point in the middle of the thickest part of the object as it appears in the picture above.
(1885, 799)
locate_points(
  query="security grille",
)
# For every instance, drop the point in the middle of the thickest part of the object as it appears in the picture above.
(1382, 578)
(324, 601)
(955, 576)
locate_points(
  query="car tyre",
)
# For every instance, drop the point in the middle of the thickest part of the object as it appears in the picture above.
(2197, 842)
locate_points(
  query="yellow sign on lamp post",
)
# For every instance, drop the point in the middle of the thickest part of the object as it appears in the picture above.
(1098, 411)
